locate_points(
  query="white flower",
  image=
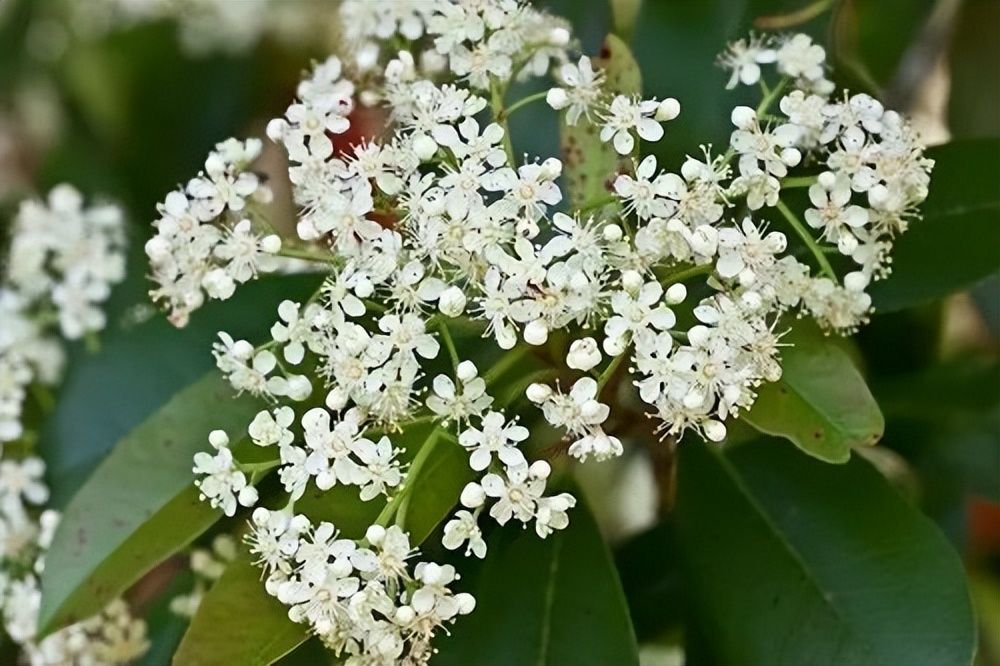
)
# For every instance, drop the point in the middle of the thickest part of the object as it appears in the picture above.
(578, 412)
(831, 196)
(271, 428)
(583, 354)
(461, 529)
(459, 404)
(580, 91)
(641, 193)
(626, 115)
(518, 493)
(222, 484)
(797, 56)
(744, 58)
(774, 149)
(634, 313)
(497, 437)
(551, 513)
(745, 252)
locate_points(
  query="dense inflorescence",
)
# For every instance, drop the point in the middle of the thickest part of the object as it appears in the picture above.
(62, 262)
(436, 225)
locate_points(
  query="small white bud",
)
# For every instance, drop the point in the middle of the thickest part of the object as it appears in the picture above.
(668, 109)
(218, 439)
(536, 333)
(632, 281)
(715, 431)
(613, 346)
(276, 129)
(336, 399)
(466, 371)
(676, 293)
(271, 244)
(473, 495)
(827, 179)
(583, 354)
(405, 615)
(539, 470)
(559, 36)
(466, 603)
(855, 281)
(612, 233)
(538, 393)
(557, 98)
(452, 301)
(424, 147)
(791, 156)
(743, 117)
(375, 534)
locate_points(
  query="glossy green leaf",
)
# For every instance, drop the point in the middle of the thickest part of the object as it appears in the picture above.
(792, 562)
(238, 622)
(139, 506)
(589, 164)
(955, 244)
(821, 402)
(545, 602)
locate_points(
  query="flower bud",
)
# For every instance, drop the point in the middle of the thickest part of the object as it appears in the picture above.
(538, 393)
(632, 281)
(583, 354)
(375, 534)
(536, 333)
(855, 281)
(743, 117)
(424, 147)
(557, 98)
(452, 301)
(715, 431)
(676, 293)
(473, 495)
(466, 371)
(668, 109)
(218, 439)
(612, 233)
(271, 244)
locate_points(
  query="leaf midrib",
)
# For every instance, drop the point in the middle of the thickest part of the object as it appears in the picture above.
(808, 574)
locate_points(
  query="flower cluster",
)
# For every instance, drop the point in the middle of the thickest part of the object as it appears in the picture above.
(435, 230)
(362, 599)
(208, 26)
(59, 270)
(204, 245)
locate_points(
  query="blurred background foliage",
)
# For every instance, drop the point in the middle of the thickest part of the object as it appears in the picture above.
(129, 114)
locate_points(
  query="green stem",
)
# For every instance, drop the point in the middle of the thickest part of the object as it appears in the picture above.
(258, 467)
(411, 476)
(609, 371)
(770, 95)
(296, 253)
(798, 181)
(807, 238)
(496, 102)
(449, 343)
(509, 111)
(687, 273)
(505, 363)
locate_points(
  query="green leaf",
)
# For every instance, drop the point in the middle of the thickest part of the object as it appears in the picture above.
(955, 244)
(238, 622)
(545, 602)
(652, 581)
(139, 506)
(796, 563)
(821, 403)
(589, 163)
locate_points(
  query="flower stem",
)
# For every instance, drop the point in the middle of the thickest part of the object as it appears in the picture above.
(798, 181)
(594, 204)
(770, 95)
(496, 102)
(687, 273)
(609, 371)
(411, 475)
(505, 363)
(807, 238)
(449, 343)
(509, 111)
(301, 253)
